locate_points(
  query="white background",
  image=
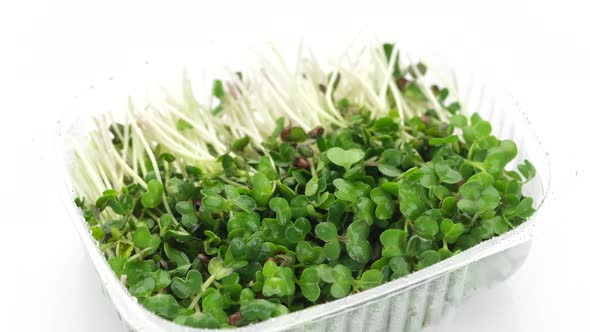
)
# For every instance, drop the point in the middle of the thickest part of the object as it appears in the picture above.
(51, 50)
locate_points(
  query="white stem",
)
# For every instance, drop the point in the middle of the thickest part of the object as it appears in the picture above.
(251, 107)
(148, 150)
(427, 92)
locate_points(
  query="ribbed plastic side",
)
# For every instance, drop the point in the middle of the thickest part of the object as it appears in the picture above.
(425, 304)
(420, 306)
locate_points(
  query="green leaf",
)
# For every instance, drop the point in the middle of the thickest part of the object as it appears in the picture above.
(350, 191)
(385, 205)
(449, 206)
(381, 265)
(270, 269)
(345, 190)
(345, 158)
(428, 258)
(336, 213)
(298, 230)
(366, 209)
(213, 203)
(478, 130)
(259, 309)
(308, 254)
(193, 171)
(429, 179)
(161, 278)
(185, 288)
(217, 268)
(176, 256)
(370, 279)
(262, 189)
(498, 224)
(476, 198)
(389, 170)
(183, 125)
(399, 267)
(143, 240)
(97, 232)
(265, 166)
(189, 216)
(436, 141)
(162, 304)
(523, 210)
(388, 50)
(212, 301)
(299, 206)
(342, 281)
(248, 221)
(326, 231)
(325, 272)
(527, 170)
(392, 157)
(332, 250)
(309, 284)
(394, 242)
(498, 157)
(198, 320)
(240, 144)
(483, 178)
(385, 126)
(281, 207)
(357, 246)
(153, 197)
(293, 134)
(245, 203)
(311, 187)
(391, 187)
(410, 202)
(446, 174)
(277, 280)
(358, 230)
(451, 231)
(458, 120)
(218, 90)
(118, 265)
(426, 227)
(389, 162)
(143, 288)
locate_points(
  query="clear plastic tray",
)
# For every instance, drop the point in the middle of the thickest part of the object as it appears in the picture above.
(407, 304)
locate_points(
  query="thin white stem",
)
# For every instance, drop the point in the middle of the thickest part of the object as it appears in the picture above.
(148, 150)
(388, 74)
(90, 169)
(365, 85)
(251, 106)
(427, 92)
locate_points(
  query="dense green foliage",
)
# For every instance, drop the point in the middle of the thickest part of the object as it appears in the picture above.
(315, 217)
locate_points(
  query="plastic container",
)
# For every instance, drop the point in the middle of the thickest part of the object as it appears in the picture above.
(407, 304)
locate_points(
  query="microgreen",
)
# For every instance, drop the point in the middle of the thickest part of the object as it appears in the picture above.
(153, 197)
(277, 280)
(142, 239)
(394, 242)
(370, 279)
(345, 158)
(390, 161)
(309, 283)
(478, 196)
(212, 219)
(190, 286)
